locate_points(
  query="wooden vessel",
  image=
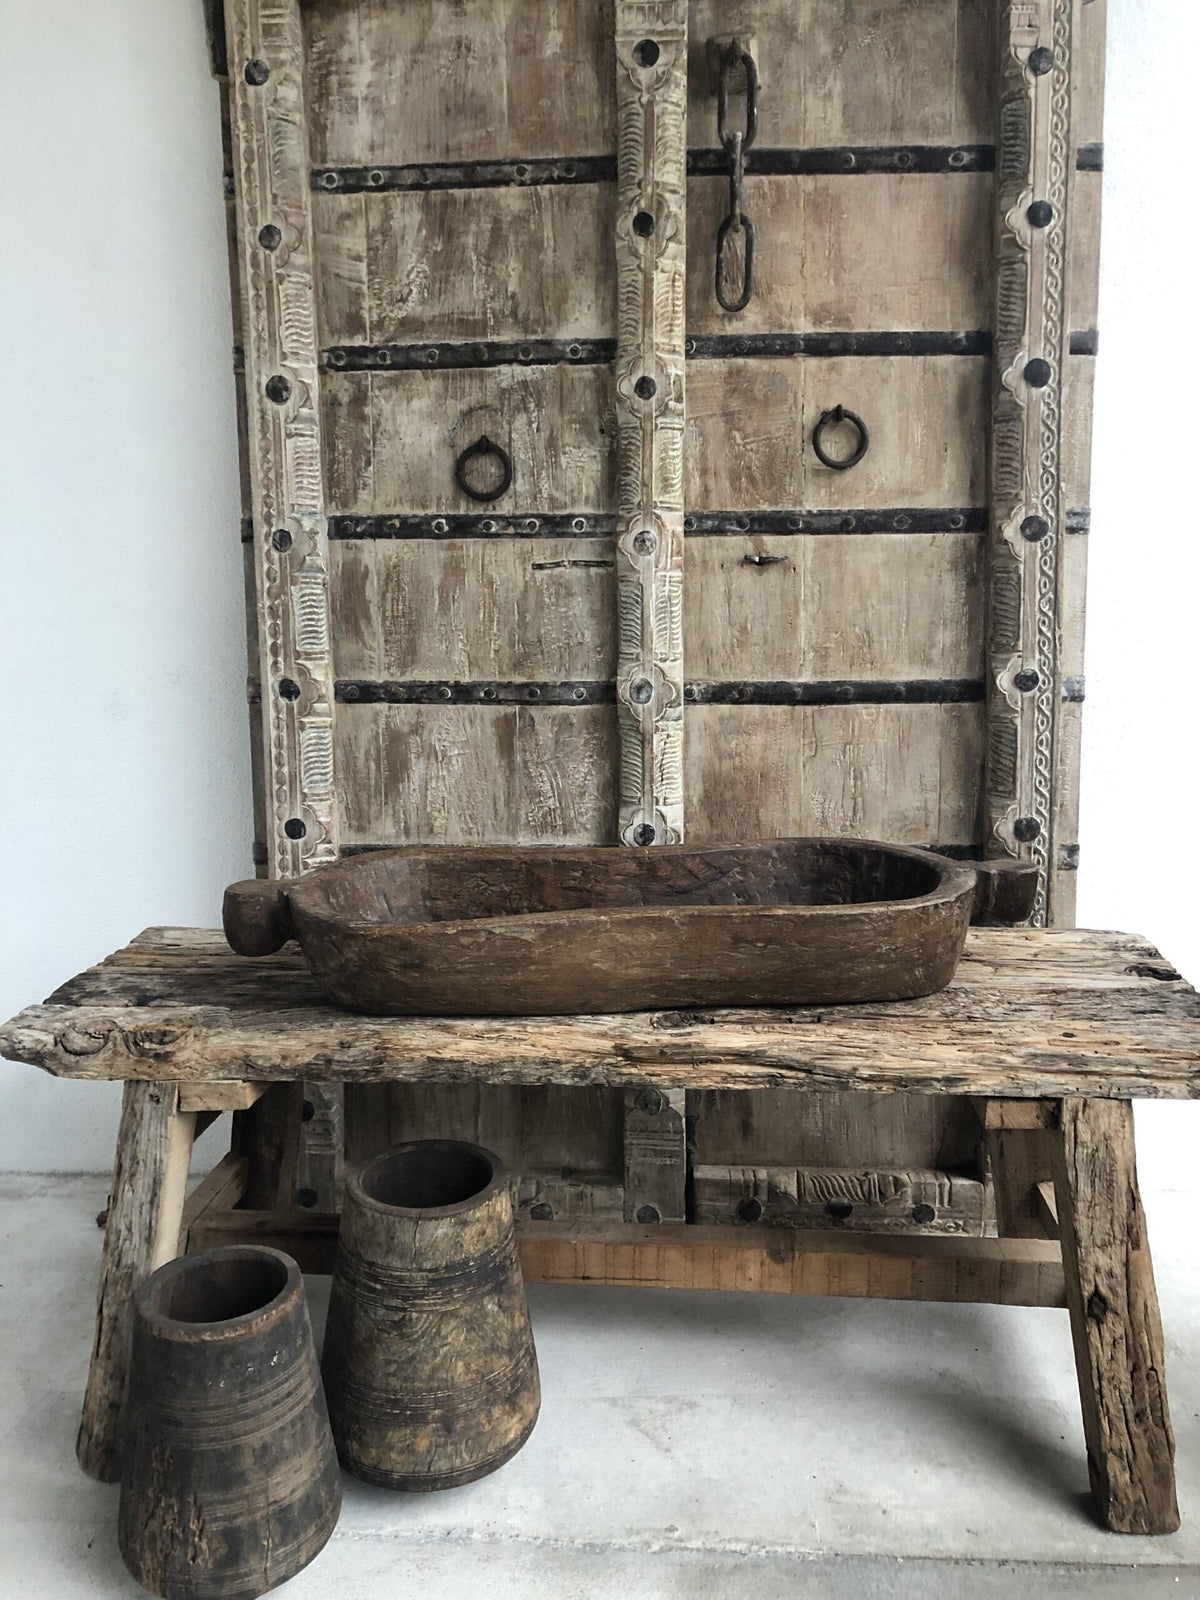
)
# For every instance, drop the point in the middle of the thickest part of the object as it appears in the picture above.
(229, 1481)
(429, 1361)
(466, 220)
(527, 932)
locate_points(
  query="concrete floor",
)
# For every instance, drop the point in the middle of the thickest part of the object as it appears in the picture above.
(690, 1446)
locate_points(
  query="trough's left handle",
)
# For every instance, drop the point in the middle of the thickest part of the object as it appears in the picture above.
(257, 917)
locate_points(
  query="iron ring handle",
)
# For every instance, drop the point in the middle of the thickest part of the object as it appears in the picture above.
(484, 446)
(838, 415)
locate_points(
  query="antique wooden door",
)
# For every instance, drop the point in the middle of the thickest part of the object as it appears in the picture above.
(625, 466)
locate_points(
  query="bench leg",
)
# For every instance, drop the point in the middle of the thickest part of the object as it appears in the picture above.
(154, 1150)
(1114, 1318)
(268, 1135)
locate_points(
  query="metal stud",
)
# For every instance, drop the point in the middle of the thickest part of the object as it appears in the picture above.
(649, 1214)
(1037, 373)
(645, 388)
(281, 539)
(256, 72)
(1040, 214)
(643, 224)
(643, 834)
(278, 389)
(1026, 680)
(289, 689)
(294, 828)
(270, 237)
(1026, 829)
(1034, 528)
(641, 691)
(1041, 61)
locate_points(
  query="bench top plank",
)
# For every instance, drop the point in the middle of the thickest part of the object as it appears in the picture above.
(1030, 1013)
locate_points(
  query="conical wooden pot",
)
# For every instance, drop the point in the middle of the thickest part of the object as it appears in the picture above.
(230, 1483)
(429, 1364)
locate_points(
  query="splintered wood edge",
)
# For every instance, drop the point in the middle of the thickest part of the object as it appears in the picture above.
(1026, 1058)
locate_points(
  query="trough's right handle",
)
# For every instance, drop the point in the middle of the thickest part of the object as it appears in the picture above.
(1005, 891)
(257, 917)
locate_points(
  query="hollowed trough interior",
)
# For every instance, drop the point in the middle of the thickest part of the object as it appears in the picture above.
(439, 886)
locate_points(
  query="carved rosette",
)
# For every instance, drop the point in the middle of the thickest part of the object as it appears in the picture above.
(1034, 161)
(271, 161)
(651, 47)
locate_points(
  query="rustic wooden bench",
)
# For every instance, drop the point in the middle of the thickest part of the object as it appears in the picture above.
(1051, 1034)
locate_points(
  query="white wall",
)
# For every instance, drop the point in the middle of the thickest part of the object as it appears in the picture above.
(126, 790)
(125, 782)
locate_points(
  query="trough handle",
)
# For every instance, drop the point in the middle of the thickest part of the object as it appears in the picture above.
(1004, 891)
(257, 916)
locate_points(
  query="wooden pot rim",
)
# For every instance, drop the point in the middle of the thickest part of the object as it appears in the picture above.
(150, 1294)
(356, 1183)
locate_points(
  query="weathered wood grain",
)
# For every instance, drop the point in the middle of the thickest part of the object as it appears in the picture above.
(219, 1097)
(429, 1363)
(145, 1213)
(523, 609)
(869, 73)
(1028, 1015)
(230, 1483)
(219, 1190)
(761, 1259)
(393, 438)
(569, 1143)
(908, 773)
(650, 244)
(896, 1133)
(885, 606)
(268, 1135)
(455, 265)
(749, 422)
(1114, 1319)
(483, 81)
(271, 166)
(478, 774)
(879, 1201)
(818, 262)
(1035, 425)
(756, 1259)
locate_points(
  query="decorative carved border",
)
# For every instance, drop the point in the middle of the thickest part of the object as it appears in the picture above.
(651, 50)
(271, 168)
(1034, 180)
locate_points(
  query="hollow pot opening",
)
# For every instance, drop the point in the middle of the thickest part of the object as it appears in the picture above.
(431, 1175)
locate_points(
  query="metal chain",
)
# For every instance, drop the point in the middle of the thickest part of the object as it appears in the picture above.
(737, 225)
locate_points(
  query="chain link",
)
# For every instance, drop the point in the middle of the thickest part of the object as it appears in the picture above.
(737, 226)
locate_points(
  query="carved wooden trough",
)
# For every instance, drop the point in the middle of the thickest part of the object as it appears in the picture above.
(489, 932)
